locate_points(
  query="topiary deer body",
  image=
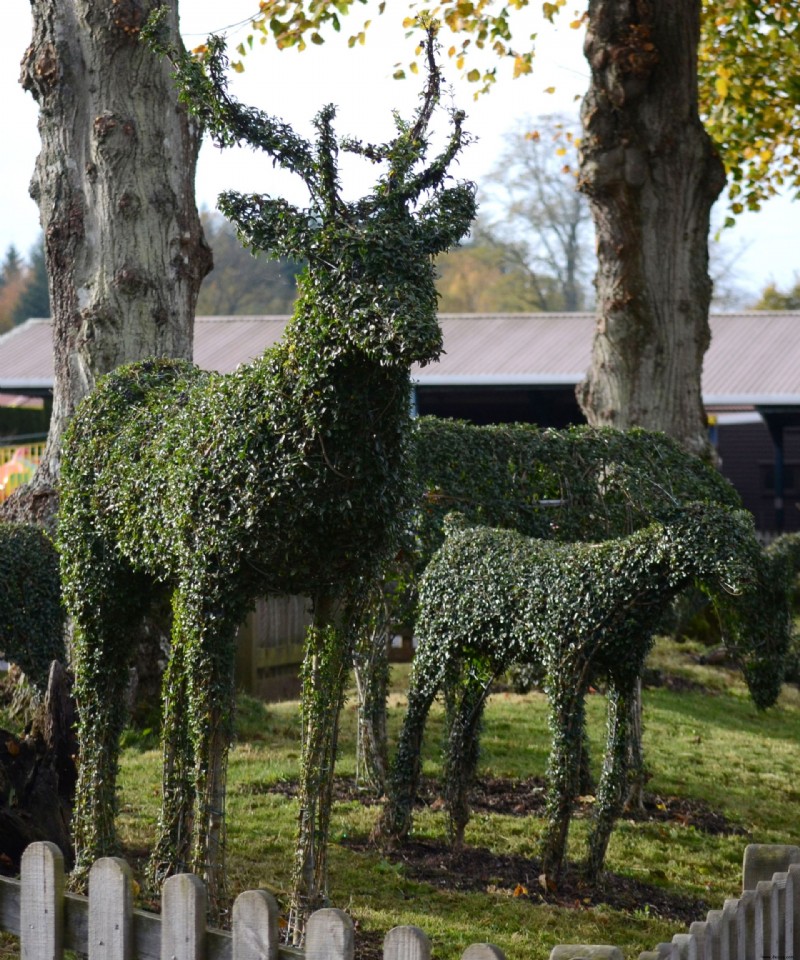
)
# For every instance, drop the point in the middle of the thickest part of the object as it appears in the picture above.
(493, 598)
(288, 475)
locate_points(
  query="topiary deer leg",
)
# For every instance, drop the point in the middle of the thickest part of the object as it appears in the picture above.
(371, 672)
(172, 851)
(104, 619)
(328, 658)
(198, 729)
(463, 750)
(613, 779)
(397, 817)
(567, 723)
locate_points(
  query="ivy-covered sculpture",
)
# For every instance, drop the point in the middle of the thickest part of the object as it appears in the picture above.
(490, 598)
(289, 475)
(583, 483)
(31, 617)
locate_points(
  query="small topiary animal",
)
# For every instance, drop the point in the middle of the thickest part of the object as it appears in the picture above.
(490, 598)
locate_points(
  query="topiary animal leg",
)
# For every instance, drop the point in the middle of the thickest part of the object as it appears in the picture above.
(327, 661)
(613, 780)
(104, 617)
(567, 722)
(463, 750)
(172, 851)
(199, 695)
(397, 817)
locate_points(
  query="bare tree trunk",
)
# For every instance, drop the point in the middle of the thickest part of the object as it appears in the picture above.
(651, 174)
(115, 187)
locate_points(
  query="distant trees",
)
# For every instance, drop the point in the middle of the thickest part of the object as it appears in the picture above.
(483, 277)
(541, 220)
(23, 287)
(773, 298)
(532, 248)
(240, 282)
(35, 298)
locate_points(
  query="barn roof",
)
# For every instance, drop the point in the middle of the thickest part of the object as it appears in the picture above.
(754, 358)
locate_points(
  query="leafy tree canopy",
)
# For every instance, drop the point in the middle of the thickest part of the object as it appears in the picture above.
(773, 298)
(748, 61)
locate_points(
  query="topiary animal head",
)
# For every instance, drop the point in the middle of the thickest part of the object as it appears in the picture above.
(758, 623)
(369, 280)
(714, 545)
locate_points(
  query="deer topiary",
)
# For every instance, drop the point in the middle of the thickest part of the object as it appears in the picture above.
(492, 598)
(289, 475)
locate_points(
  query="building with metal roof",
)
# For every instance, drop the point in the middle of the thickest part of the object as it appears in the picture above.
(505, 367)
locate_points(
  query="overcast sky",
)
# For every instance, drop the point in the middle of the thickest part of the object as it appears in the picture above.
(294, 86)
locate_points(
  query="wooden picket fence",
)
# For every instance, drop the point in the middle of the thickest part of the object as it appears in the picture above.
(762, 924)
(105, 926)
(759, 925)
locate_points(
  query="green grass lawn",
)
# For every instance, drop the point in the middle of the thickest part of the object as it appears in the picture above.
(708, 744)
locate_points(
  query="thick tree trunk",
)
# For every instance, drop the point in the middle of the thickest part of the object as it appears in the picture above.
(651, 174)
(115, 187)
(37, 777)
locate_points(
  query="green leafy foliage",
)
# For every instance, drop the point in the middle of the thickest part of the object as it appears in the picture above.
(773, 298)
(576, 484)
(750, 95)
(290, 475)
(491, 598)
(478, 618)
(760, 619)
(31, 619)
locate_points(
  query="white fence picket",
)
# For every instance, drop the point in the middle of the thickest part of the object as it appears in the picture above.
(255, 926)
(730, 930)
(329, 936)
(406, 943)
(483, 951)
(110, 910)
(183, 918)
(42, 903)
(698, 930)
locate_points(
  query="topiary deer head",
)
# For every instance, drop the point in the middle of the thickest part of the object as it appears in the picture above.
(378, 248)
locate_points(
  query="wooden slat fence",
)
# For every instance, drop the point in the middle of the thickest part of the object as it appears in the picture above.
(105, 926)
(762, 924)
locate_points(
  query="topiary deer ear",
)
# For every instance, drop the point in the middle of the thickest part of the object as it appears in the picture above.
(269, 223)
(446, 218)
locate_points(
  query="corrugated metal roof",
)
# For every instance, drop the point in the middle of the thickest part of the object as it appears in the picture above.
(754, 357)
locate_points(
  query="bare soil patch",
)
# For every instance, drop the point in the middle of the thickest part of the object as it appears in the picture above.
(512, 797)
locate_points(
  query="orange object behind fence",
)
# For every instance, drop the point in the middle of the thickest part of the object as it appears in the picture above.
(17, 465)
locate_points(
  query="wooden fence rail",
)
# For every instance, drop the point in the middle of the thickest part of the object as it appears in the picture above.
(762, 924)
(105, 926)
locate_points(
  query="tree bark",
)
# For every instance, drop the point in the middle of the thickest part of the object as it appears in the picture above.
(115, 187)
(651, 174)
(37, 777)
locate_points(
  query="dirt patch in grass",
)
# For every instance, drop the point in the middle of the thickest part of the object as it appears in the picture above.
(527, 798)
(523, 798)
(476, 869)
